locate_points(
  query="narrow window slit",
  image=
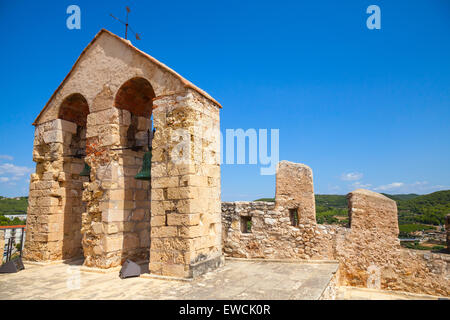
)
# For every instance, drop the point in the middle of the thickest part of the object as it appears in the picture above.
(293, 214)
(246, 224)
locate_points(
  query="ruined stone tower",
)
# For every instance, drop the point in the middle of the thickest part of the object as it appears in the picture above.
(102, 108)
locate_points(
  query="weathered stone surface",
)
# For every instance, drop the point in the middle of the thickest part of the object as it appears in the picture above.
(184, 203)
(103, 109)
(272, 235)
(238, 280)
(295, 190)
(369, 251)
(55, 204)
(371, 211)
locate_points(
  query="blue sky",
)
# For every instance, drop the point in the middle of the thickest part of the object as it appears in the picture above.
(363, 108)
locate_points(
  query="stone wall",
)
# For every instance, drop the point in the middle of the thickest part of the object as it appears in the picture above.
(54, 205)
(116, 225)
(173, 220)
(368, 251)
(186, 225)
(272, 234)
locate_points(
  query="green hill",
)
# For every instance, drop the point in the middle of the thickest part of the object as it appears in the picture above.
(16, 205)
(401, 196)
(428, 209)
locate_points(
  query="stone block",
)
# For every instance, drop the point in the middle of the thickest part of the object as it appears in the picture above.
(47, 202)
(114, 215)
(174, 270)
(64, 125)
(130, 241)
(295, 190)
(182, 193)
(158, 221)
(97, 228)
(105, 117)
(164, 231)
(125, 119)
(140, 195)
(143, 123)
(138, 215)
(194, 180)
(191, 231)
(112, 243)
(111, 228)
(178, 219)
(371, 211)
(154, 267)
(53, 136)
(157, 194)
(165, 182)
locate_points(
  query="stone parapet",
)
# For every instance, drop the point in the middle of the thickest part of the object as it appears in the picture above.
(295, 190)
(368, 251)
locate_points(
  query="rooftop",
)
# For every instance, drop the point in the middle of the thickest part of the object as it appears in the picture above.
(238, 279)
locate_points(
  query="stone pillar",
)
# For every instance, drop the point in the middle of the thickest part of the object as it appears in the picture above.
(373, 212)
(103, 220)
(116, 225)
(53, 195)
(372, 242)
(295, 190)
(447, 229)
(186, 210)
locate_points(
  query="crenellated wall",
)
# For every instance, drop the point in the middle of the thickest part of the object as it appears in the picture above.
(272, 234)
(368, 250)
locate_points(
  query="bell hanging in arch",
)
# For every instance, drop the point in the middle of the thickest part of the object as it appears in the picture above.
(86, 171)
(145, 172)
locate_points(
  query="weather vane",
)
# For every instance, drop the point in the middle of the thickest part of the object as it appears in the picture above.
(127, 25)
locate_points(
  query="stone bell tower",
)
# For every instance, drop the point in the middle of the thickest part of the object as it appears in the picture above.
(100, 116)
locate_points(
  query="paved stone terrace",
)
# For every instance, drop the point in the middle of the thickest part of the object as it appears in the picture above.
(253, 280)
(353, 293)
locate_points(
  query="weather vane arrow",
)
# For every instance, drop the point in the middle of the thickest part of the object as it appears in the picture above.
(127, 26)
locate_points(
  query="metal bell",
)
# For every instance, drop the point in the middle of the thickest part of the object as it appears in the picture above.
(86, 171)
(145, 172)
